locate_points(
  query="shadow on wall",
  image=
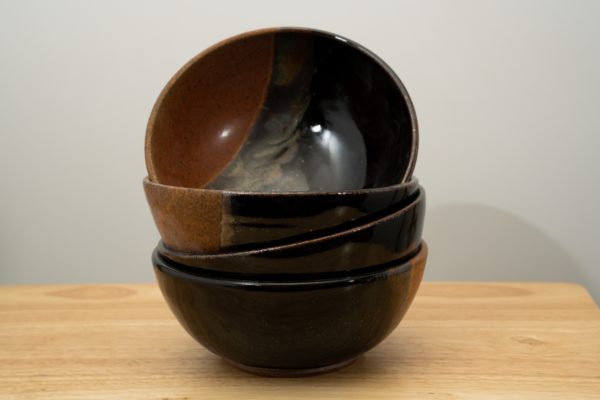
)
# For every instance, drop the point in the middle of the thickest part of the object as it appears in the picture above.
(476, 242)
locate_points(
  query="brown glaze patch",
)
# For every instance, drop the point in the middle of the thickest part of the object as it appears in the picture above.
(261, 163)
(418, 269)
(188, 220)
(202, 117)
(93, 293)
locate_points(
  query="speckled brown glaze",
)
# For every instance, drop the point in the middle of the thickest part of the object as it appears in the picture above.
(205, 112)
(188, 220)
(299, 326)
(387, 239)
(280, 110)
(212, 221)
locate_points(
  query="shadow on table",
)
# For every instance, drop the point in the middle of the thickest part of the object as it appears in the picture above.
(369, 367)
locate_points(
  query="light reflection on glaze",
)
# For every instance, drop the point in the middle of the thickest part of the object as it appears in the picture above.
(333, 119)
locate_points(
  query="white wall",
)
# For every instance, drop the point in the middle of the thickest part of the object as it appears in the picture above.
(507, 94)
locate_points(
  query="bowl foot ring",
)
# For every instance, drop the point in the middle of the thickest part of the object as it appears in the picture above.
(291, 372)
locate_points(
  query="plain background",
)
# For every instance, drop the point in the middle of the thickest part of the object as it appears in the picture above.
(507, 95)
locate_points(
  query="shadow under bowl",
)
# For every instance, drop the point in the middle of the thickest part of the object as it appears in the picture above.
(208, 221)
(290, 328)
(390, 238)
(283, 109)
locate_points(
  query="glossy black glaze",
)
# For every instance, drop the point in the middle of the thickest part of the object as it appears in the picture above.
(209, 222)
(291, 325)
(389, 238)
(335, 118)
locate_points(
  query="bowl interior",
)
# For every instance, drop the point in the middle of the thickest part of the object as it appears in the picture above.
(283, 110)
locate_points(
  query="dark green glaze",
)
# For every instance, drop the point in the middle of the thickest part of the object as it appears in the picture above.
(290, 325)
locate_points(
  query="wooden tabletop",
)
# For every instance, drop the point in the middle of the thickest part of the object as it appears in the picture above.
(458, 341)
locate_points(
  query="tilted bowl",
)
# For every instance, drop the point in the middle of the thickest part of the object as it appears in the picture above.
(389, 238)
(213, 221)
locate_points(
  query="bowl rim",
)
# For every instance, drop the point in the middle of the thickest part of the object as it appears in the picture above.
(376, 273)
(417, 199)
(148, 182)
(272, 30)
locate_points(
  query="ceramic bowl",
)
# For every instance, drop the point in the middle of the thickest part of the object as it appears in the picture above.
(214, 221)
(295, 327)
(281, 110)
(387, 239)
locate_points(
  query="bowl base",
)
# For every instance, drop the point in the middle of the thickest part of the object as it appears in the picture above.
(291, 372)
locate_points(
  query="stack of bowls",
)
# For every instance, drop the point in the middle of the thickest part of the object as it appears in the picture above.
(280, 179)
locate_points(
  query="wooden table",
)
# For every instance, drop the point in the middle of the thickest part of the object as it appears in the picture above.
(458, 341)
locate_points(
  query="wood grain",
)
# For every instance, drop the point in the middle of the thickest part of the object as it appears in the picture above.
(458, 341)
